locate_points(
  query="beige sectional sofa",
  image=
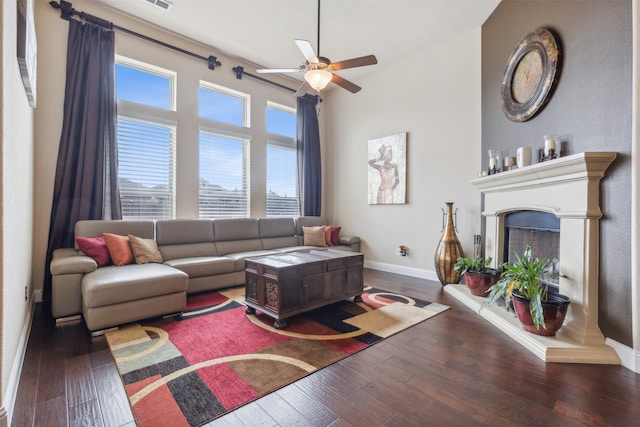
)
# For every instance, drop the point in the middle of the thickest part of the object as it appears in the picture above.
(197, 255)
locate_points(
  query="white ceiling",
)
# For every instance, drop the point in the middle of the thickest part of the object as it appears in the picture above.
(263, 31)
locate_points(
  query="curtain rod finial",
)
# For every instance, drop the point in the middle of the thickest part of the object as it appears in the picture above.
(238, 70)
(67, 10)
(213, 62)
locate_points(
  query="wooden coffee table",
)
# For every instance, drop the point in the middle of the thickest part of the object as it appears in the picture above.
(284, 285)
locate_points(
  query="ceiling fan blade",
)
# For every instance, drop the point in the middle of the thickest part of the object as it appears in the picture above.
(307, 50)
(302, 90)
(279, 70)
(346, 84)
(355, 62)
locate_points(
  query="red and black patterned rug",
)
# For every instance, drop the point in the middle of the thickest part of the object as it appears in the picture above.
(190, 369)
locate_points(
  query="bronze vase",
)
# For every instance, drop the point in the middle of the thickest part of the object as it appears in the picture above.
(448, 251)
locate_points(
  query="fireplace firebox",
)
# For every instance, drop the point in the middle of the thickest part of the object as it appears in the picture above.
(541, 231)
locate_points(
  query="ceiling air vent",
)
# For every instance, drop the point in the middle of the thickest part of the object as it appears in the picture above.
(162, 4)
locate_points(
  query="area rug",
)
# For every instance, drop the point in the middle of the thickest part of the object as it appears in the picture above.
(189, 369)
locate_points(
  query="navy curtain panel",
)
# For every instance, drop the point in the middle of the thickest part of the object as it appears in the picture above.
(309, 162)
(86, 173)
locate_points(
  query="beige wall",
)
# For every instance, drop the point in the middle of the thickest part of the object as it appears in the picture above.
(16, 210)
(435, 97)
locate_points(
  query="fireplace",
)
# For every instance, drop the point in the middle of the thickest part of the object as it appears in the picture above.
(564, 191)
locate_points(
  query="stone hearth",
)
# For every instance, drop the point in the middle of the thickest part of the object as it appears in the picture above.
(568, 187)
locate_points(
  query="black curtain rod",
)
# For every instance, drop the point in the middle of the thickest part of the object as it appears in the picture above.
(67, 11)
(241, 72)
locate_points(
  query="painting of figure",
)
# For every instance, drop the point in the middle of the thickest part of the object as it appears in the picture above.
(387, 170)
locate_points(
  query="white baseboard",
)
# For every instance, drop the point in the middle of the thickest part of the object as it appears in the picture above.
(629, 358)
(399, 269)
(16, 370)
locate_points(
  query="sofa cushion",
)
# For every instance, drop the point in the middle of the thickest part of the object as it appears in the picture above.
(144, 250)
(185, 238)
(335, 235)
(314, 236)
(192, 250)
(119, 248)
(327, 235)
(203, 266)
(95, 248)
(236, 235)
(277, 232)
(236, 229)
(183, 231)
(276, 227)
(279, 242)
(113, 285)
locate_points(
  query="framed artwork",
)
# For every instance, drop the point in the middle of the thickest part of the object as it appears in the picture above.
(27, 48)
(387, 182)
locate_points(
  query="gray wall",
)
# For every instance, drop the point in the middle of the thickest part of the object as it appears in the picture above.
(591, 103)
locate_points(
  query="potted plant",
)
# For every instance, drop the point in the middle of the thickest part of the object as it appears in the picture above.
(478, 276)
(539, 311)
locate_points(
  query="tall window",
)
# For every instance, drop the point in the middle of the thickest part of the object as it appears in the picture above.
(224, 152)
(282, 169)
(224, 176)
(146, 147)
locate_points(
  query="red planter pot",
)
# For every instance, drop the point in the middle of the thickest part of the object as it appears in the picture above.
(479, 283)
(554, 310)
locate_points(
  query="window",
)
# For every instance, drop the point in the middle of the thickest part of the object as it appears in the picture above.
(281, 120)
(146, 147)
(152, 86)
(282, 178)
(146, 171)
(223, 105)
(282, 162)
(224, 176)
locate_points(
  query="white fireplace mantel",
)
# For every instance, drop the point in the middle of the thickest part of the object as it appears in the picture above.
(568, 187)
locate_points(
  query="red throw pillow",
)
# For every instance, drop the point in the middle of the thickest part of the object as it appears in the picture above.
(119, 248)
(327, 235)
(335, 236)
(95, 248)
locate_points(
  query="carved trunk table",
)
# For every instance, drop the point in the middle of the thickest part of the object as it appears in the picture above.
(284, 285)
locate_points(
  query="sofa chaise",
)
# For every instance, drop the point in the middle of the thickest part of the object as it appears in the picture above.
(195, 255)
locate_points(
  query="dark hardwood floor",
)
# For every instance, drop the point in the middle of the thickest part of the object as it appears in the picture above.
(452, 370)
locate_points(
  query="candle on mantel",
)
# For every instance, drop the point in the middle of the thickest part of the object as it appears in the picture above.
(549, 144)
(493, 163)
(509, 161)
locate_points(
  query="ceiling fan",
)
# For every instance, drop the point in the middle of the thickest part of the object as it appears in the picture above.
(319, 71)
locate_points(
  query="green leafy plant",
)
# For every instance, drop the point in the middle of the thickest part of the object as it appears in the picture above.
(476, 265)
(524, 277)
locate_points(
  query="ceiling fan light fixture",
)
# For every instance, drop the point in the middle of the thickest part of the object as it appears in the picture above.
(318, 79)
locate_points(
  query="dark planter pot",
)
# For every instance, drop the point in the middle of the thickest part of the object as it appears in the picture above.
(554, 309)
(479, 283)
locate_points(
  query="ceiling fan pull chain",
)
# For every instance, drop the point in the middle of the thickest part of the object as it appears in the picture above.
(318, 27)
